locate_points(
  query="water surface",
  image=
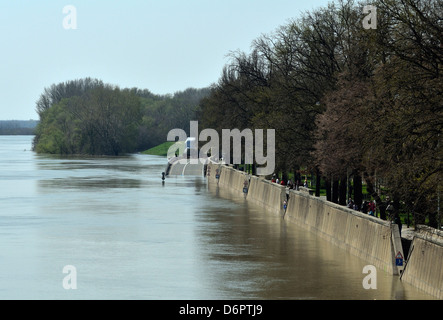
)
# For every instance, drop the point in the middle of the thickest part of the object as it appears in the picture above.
(130, 236)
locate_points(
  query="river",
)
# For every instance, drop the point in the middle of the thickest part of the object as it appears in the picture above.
(124, 234)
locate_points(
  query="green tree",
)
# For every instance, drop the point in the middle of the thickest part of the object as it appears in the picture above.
(103, 120)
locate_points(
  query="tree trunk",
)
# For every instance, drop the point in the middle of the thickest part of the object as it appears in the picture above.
(317, 182)
(433, 220)
(328, 189)
(342, 190)
(335, 186)
(358, 190)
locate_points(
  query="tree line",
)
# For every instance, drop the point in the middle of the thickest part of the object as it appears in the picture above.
(349, 104)
(88, 116)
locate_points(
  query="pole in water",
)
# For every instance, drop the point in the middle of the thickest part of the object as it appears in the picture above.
(163, 176)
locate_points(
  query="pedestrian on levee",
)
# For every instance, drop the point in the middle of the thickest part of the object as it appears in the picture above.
(397, 221)
(371, 208)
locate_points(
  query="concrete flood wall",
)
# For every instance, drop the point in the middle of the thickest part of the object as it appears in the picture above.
(376, 241)
(211, 170)
(234, 179)
(267, 194)
(367, 237)
(259, 191)
(364, 236)
(424, 264)
(226, 176)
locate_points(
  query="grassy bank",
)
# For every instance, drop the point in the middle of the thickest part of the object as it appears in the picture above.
(160, 150)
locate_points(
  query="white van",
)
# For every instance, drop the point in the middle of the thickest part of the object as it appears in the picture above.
(190, 143)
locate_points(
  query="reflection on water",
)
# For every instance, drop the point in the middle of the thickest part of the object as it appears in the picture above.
(131, 236)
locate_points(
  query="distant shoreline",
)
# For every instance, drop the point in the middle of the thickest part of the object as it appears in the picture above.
(18, 127)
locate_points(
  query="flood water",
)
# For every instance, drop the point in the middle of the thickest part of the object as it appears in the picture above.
(127, 235)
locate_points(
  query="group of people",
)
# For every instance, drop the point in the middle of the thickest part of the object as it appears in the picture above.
(369, 208)
(366, 207)
(290, 184)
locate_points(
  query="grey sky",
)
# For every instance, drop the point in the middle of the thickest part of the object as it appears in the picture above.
(164, 46)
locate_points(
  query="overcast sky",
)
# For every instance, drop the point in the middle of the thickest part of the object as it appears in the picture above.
(161, 45)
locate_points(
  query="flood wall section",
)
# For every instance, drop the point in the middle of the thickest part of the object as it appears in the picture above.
(258, 190)
(367, 237)
(374, 240)
(227, 176)
(424, 264)
(266, 194)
